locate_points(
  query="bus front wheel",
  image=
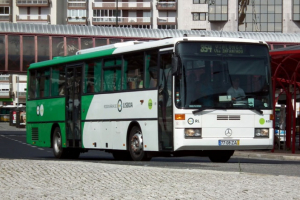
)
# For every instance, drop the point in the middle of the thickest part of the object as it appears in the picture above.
(58, 150)
(221, 156)
(136, 145)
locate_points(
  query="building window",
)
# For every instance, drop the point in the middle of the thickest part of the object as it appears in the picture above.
(218, 10)
(260, 16)
(4, 10)
(199, 16)
(166, 26)
(200, 1)
(296, 10)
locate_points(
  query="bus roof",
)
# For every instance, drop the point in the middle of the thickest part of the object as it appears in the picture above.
(125, 47)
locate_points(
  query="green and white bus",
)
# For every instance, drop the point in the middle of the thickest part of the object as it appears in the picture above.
(137, 100)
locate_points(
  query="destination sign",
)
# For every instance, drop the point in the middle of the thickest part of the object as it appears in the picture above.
(222, 48)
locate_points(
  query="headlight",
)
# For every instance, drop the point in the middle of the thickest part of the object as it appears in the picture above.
(261, 132)
(192, 132)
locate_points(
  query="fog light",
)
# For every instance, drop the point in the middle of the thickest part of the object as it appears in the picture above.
(192, 132)
(261, 132)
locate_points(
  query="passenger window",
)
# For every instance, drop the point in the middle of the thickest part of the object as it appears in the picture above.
(112, 74)
(134, 71)
(92, 81)
(32, 84)
(151, 69)
(58, 81)
(43, 83)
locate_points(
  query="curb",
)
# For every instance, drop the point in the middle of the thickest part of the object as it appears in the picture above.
(271, 156)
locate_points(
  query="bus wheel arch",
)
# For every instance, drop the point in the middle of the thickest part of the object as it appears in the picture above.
(135, 143)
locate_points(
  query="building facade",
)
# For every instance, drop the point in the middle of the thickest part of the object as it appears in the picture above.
(222, 15)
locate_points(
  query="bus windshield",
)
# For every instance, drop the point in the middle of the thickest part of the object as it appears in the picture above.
(223, 75)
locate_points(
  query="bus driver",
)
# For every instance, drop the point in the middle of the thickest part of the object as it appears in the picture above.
(235, 91)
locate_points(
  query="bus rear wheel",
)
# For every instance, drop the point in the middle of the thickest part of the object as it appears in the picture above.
(221, 156)
(136, 145)
(58, 150)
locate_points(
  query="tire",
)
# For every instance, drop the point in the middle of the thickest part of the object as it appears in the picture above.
(220, 156)
(136, 145)
(122, 155)
(58, 151)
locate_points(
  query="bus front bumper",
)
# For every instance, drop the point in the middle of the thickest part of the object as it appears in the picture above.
(221, 143)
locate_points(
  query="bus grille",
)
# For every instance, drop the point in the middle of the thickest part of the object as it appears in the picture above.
(35, 133)
(228, 117)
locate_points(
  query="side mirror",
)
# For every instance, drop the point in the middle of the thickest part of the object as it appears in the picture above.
(174, 65)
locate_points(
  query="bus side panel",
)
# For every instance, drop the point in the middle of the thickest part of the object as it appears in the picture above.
(105, 135)
(113, 134)
(121, 106)
(41, 115)
(108, 116)
(96, 135)
(39, 134)
(150, 135)
(46, 110)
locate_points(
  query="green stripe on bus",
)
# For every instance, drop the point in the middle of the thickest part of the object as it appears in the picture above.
(85, 106)
(70, 59)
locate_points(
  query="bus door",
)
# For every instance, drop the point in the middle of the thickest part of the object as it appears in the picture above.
(165, 111)
(73, 105)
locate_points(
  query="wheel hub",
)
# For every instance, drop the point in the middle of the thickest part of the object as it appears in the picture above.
(137, 143)
(57, 143)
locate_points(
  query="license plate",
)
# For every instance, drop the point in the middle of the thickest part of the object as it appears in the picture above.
(229, 142)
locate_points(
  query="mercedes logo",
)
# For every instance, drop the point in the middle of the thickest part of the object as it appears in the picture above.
(228, 132)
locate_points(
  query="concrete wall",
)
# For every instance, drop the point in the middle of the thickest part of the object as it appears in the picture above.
(59, 8)
(185, 17)
(288, 25)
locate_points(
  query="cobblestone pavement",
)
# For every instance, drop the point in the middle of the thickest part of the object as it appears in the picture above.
(38, 179)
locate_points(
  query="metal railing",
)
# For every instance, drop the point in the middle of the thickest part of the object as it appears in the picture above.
(22, 94)
(76, 1)
(4, 93)
(123, 19)
(166, 4)
(76, 19)
(4, 17)
(5, 1)
(32, 2)
(76, 4)
(123, 4)
(166, 19)
(4, 78)
(32, 17)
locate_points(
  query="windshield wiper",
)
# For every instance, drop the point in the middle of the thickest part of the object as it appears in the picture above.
(252, 108)
(205, 108)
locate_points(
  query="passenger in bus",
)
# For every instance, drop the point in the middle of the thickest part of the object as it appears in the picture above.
(235, 91)
(90, 87)
(61, 90)
(153, 77)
